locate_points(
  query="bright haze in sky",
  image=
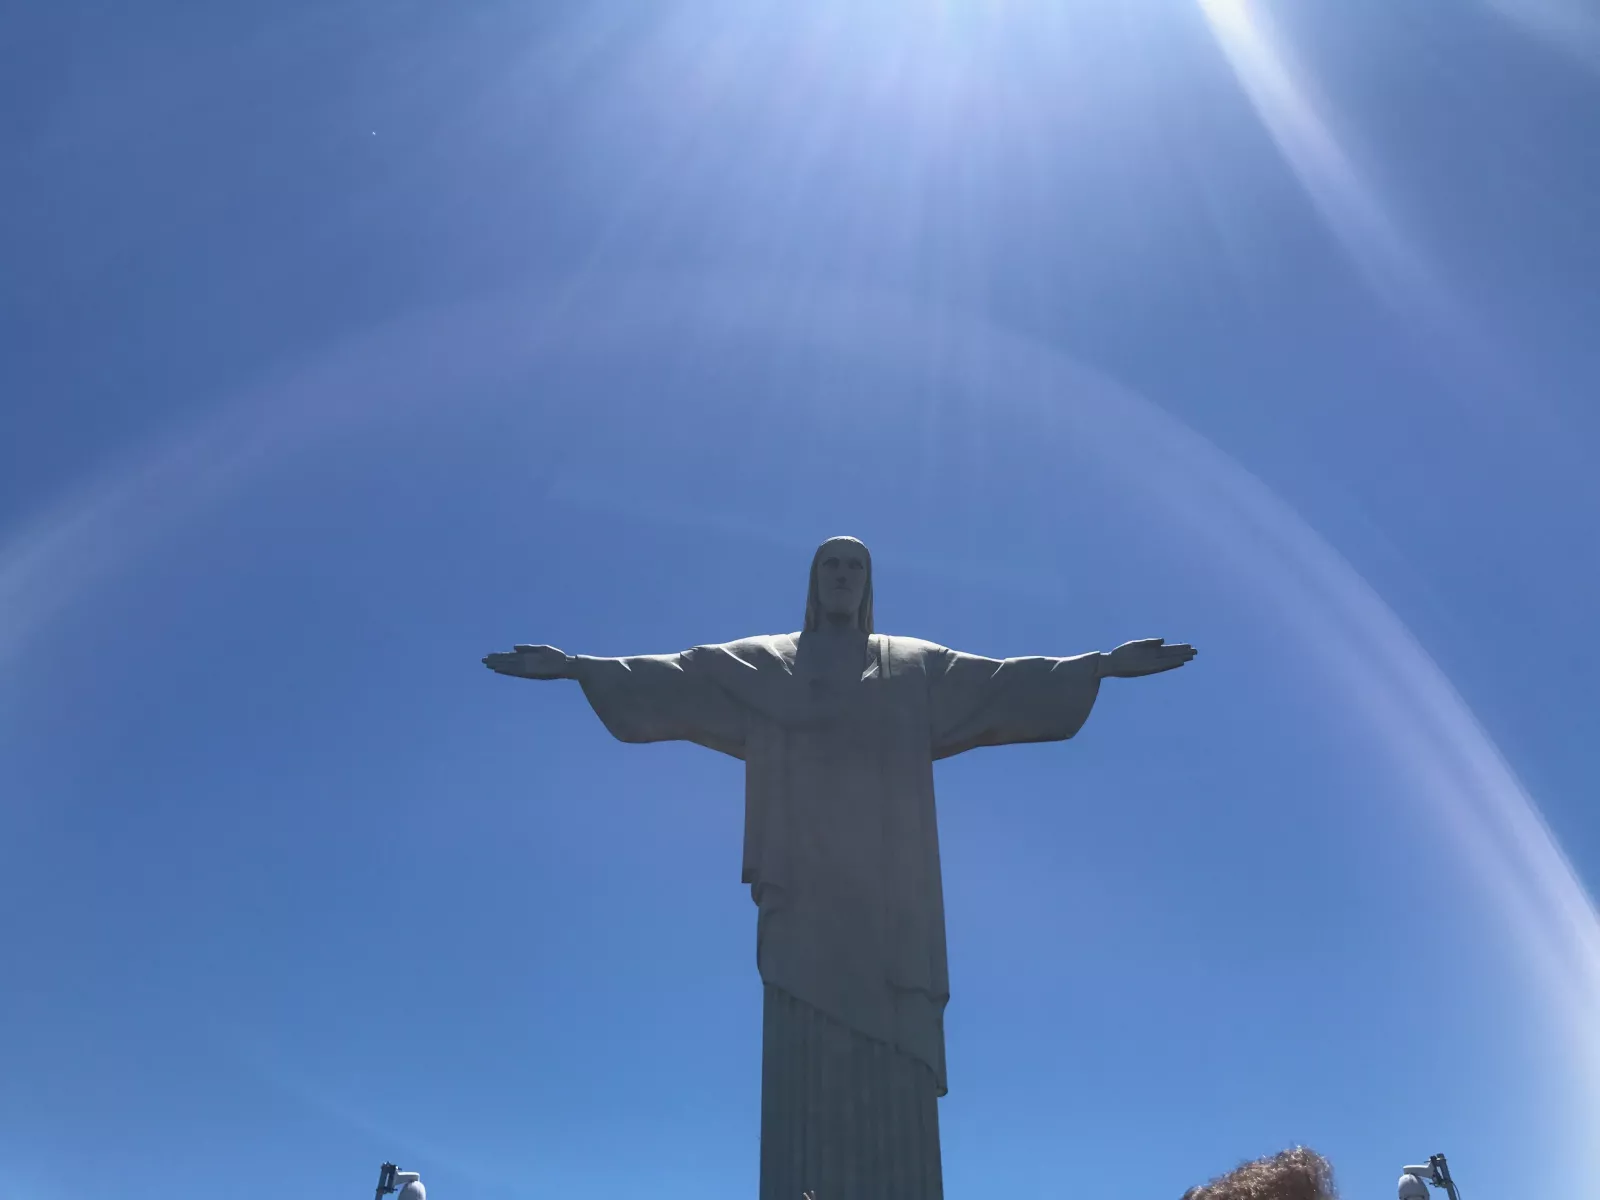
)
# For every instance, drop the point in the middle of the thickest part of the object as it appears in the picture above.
(343, 343)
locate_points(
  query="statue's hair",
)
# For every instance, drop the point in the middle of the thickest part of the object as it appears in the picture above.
(1297, 1174)
(814, 604)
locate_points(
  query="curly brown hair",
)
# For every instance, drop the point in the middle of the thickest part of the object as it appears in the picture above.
(1297, 1174)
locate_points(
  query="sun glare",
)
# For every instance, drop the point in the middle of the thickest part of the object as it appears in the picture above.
(1345, 201)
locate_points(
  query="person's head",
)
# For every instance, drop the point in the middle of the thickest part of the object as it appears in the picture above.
(1298, 1174)
(841, 586)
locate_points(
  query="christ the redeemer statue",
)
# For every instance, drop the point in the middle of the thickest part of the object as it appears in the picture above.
(839, 728)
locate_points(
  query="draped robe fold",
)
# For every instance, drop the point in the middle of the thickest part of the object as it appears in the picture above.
(841, 853)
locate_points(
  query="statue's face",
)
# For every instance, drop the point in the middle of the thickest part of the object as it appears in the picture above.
(841, 579)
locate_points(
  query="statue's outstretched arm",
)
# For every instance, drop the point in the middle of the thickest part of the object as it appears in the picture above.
(645, 698)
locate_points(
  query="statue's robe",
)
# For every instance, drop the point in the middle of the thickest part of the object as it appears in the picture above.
(841, 853)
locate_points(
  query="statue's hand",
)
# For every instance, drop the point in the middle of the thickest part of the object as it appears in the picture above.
(1148, 657)
(531, 662)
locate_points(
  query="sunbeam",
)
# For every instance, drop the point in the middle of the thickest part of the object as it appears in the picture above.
(1345, 200)
(1570, 26)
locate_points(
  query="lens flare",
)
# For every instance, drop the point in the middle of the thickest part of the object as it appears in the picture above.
(1366, 654)
(1571, 26)
(1308, 143)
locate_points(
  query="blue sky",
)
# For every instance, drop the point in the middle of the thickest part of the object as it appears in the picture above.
(347, 342)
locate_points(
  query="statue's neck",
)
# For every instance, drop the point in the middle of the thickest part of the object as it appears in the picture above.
(837, 633)
(835, 647)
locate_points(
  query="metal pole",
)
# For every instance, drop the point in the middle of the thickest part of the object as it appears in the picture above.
(1441, 1176)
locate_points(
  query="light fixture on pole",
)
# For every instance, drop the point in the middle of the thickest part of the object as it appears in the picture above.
(392, 1179)
(1416, 1181)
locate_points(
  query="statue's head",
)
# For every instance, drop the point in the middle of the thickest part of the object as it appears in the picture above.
(841, 586)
